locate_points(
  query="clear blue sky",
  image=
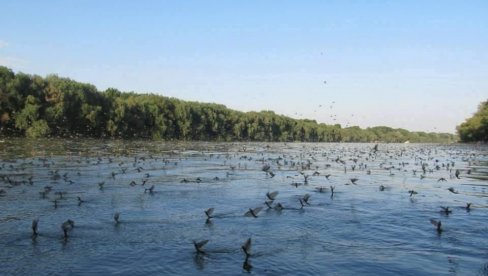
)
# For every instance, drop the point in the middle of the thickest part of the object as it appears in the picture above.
(419, 65)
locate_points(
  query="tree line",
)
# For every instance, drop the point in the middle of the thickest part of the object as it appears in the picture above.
(475, 129)
(34, 106)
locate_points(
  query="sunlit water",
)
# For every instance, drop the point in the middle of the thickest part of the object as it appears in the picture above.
(360, 230)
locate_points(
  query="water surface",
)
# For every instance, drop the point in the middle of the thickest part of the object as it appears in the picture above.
(359, 230)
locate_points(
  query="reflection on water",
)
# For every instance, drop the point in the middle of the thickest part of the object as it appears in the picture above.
(377, 220)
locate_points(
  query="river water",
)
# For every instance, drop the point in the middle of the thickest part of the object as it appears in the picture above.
(373, 226)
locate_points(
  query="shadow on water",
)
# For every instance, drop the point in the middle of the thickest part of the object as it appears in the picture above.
(483, 270)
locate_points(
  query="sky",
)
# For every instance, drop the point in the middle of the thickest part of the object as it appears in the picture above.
(418, 65)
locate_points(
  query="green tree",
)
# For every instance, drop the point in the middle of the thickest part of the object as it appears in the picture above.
(475, 128)
(55, 106)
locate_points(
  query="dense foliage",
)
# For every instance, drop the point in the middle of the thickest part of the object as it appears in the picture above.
(33, 106)
(475, 128)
